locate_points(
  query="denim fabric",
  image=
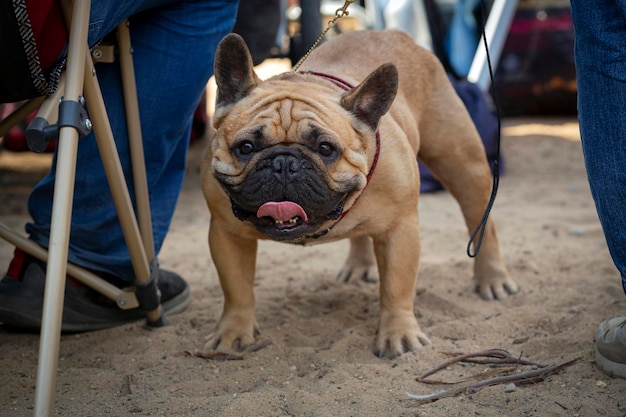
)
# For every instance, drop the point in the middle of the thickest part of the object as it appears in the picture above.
(600, 27)
(174, 44)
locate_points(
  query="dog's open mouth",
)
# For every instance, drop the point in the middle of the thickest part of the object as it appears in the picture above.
(285, 220)
(282, 215)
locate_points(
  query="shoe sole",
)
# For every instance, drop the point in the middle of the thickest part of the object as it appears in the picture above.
(609, 367)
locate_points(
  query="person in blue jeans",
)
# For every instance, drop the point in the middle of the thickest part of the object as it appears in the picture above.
(600, 53)
(174, 44)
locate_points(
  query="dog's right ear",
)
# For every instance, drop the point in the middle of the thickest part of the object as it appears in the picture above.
(234, 70)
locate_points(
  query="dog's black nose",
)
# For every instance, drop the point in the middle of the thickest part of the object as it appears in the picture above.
(286, 165)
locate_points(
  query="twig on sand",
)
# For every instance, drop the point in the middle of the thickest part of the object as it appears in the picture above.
(494, 356)
(491, 356)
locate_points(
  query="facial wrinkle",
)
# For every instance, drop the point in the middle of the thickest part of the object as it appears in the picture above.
(306, 113)
(286, 117)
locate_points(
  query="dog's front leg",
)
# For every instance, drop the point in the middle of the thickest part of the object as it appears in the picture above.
(235, 260)
(397, 254)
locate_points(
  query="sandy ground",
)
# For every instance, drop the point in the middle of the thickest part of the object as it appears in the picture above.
(320, 360)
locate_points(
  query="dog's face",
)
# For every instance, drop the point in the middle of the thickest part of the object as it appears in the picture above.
(293, 153)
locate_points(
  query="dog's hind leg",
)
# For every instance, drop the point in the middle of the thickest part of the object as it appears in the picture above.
(360, 265)
(455, 155)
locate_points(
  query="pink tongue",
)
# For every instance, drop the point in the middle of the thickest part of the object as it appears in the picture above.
(281, 211)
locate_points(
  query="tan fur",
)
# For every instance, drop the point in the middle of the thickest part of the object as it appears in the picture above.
(426, 117)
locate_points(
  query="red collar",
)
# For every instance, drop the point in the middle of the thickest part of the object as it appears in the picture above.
(346, 86)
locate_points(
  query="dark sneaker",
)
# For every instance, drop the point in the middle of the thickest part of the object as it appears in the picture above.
(22, 292)
(611, 346)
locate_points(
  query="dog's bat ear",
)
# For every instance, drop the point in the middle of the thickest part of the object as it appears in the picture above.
(372, 98)
(234, 70)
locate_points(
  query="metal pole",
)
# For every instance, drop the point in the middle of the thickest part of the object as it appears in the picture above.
(131, 103)
(496, 30)
(60, 223)
(117, 182)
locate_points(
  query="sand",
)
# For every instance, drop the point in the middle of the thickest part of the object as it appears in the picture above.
(319, 359)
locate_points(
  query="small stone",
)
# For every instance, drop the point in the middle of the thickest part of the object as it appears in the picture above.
(510, 387)
(601, 384)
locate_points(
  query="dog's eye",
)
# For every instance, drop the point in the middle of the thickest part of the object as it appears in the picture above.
(245, 148)
(326, 149)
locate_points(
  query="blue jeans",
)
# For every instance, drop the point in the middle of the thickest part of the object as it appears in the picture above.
(600, 27)
(174, 44)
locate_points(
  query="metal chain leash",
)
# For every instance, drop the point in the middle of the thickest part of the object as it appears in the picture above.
(339, 13)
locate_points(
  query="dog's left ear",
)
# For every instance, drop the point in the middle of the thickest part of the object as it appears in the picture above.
(234, 70)
(372, 98)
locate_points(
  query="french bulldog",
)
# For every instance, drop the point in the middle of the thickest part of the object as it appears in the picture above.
(330, 152)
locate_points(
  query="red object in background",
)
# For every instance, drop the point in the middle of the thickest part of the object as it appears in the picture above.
(536, 74)
(48, 29)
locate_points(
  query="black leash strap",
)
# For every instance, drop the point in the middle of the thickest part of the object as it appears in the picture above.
(479, 232)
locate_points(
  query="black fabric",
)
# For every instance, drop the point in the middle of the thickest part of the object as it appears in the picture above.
(438, 33)
(15, 81)
(257, 23)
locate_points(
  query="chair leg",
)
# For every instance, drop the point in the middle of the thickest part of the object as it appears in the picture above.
(124, 299)
(119, 189)
(131, 103)
(80, 74)
(60, 223)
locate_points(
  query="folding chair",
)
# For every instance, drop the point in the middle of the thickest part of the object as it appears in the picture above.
(72, 122)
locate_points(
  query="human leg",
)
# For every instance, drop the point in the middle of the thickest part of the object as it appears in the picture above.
(173, 54)
(601, 76)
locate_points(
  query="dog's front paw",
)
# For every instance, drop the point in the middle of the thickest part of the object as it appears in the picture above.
(233, 333)
(496, 287)
(399, 333)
